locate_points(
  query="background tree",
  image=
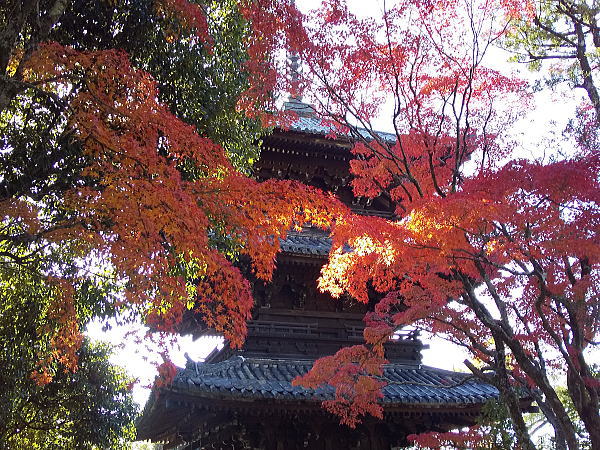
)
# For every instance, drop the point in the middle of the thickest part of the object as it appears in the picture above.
(499, 256)
(200, 84)
(564, 33)
(89, 408)
(495, 429)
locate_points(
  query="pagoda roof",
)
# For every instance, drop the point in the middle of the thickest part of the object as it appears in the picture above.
(201, 392)
(317, 126)
(239, 382)
(309, 122)
(262, 378)
(308, 242)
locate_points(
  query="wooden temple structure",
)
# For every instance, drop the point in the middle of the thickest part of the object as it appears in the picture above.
(244, 399)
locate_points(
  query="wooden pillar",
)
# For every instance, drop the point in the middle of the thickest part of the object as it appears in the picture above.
(270, 436)
(378, 437)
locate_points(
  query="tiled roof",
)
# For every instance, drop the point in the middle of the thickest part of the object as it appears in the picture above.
(252, 378)
(313, 242)
(314, 125)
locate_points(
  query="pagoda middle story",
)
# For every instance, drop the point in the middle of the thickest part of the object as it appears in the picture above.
(244, 399)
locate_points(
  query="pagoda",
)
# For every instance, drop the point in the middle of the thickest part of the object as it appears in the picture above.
(244, 399)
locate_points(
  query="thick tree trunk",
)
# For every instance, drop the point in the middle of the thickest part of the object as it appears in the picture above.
(559, 438)
(586, 404)
(586, 70)
(503, 334)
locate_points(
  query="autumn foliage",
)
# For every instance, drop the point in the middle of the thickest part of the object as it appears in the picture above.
(499, 255)
(152, 196)
(354, 371)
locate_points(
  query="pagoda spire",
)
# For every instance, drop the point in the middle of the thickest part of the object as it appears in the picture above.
(294, 65)
(294, 59)
(295, 102)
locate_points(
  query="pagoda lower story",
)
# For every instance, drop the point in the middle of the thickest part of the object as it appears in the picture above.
(244, 399)
(250, 403)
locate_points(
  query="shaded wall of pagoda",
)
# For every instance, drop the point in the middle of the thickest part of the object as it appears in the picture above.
(292, 317)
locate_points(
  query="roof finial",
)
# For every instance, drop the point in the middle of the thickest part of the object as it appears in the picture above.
(295, 102)
(294, 66)
(295, 73)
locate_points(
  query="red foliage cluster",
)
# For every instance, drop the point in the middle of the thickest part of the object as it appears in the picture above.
(187, 14)
(63, 329)
(353, 371)
(527, 227)
(475, 437)
(166, 372)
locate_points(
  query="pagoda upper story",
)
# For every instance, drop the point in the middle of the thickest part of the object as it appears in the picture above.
(292, 318)
(306, 152)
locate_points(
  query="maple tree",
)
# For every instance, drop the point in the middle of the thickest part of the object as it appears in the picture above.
(200, 84)
(498, 255)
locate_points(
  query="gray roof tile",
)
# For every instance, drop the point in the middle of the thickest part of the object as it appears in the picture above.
(315, 125)
(267, 378)
(313, 242)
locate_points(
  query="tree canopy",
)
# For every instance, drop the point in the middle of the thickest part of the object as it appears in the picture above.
(90, 407)
(96, 158)
(564, 33)
(123, 189)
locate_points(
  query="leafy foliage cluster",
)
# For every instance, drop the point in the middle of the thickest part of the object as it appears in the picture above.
(87, 408)
(200, 84)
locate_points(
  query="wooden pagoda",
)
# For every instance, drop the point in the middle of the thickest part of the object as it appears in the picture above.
(244, 399)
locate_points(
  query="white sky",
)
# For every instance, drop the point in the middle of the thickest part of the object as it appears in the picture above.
(549, 114)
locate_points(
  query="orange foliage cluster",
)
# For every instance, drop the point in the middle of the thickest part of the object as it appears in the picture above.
(524, 213)
(63, 328)
(527, 228)
(144, 212)
(166, 372)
